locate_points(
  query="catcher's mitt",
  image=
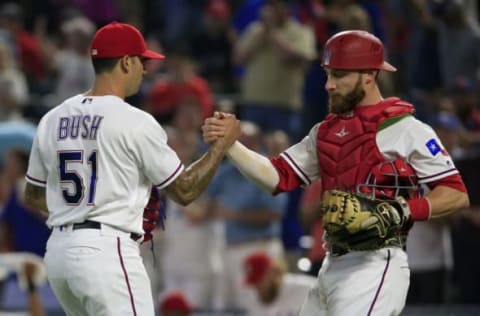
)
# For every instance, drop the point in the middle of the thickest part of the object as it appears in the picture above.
(356, 222)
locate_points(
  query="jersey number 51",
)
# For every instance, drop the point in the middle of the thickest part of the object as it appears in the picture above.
(68, 176)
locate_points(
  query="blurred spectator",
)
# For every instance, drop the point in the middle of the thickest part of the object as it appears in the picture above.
(252, 220)
(277, 293)
(30, 53)
(26, 227)
(354, 17)
(310, 214)
(175, 304)
(314, 13)
(15, 134)
(188, 116)
(30, 273)
(13, 86)
(429, 244)
(101, 12)
(275, 142)
(180, 84)
(466, 236)
(429, 250)
(191, 259)
(466, 103)
(275, 51)
(459, 42)
(72, 64)
(212, 47)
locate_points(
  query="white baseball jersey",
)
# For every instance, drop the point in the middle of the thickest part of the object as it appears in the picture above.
(291, 296)
(98, 156)
(408, 138)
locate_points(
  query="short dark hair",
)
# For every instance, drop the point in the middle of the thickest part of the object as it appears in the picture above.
(104, 64)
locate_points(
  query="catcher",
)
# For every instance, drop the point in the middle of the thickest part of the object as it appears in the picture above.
(373, 157)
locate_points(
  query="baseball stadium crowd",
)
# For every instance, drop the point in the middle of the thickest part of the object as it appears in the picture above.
(214, 254)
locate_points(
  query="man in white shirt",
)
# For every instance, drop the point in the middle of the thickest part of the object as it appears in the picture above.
(93, 163)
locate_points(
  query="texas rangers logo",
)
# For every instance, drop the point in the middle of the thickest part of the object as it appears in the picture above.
(326, 57)
(342, 132)
(434, 148)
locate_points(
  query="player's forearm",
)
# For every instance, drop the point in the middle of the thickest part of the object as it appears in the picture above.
(255, 167)
(445, 200)
(193, 181)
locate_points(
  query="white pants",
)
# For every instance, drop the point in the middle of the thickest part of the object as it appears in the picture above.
(97, 272)
(363, 283)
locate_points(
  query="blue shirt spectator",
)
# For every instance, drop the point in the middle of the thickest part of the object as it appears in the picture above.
(15, 134)
(232, 190)
(29, 231)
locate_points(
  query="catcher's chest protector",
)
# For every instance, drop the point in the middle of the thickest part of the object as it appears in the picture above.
(347, 148)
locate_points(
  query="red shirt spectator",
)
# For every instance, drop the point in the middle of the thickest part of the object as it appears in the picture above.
(166, 95)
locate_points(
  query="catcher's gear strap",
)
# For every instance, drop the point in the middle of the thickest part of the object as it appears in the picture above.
(420, 209)
(254, 166)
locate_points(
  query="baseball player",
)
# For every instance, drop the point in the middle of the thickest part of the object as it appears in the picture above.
(92, 166)
(365, 152)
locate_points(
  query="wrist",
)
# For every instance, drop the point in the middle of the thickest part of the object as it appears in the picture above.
(31, 287)
(420, 209)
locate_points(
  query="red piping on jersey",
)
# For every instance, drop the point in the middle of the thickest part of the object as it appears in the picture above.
(297, 167)
(173, 174)
(36, 180)
(381, 285)
(436, 175)
(132, 302)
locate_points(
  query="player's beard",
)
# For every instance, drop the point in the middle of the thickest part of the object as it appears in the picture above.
(340, 104)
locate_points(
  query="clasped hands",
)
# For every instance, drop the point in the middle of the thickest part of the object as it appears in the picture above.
(223, 126)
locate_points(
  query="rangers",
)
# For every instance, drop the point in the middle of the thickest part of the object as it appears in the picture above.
(371, 155)
(93, 163)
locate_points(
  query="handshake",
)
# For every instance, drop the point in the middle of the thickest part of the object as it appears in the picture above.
(223, 127)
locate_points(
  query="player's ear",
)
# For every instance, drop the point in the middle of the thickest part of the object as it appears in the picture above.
(125, 64)
(369, 76)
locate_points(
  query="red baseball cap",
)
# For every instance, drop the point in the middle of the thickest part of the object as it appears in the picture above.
(256, 266)
(116, 40)
(175, 302)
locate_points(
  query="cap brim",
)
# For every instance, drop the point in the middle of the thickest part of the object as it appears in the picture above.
(387, 67)
(152, 55)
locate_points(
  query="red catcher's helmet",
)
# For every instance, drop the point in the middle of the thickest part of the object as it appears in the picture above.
(391, 179)
(356, 50)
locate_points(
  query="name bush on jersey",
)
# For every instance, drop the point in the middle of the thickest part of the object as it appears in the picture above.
(84, 126)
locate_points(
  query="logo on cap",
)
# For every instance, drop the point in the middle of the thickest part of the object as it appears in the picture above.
(326, 57)
(94, 52)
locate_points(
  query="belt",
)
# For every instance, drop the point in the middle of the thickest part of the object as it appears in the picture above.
(88, 224)
(337, 251)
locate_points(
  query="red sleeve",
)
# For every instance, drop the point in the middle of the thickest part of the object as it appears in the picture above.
(454, 181)
(288, 178)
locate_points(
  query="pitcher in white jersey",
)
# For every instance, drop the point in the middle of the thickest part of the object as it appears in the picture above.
(93, 163)
(365, 141)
